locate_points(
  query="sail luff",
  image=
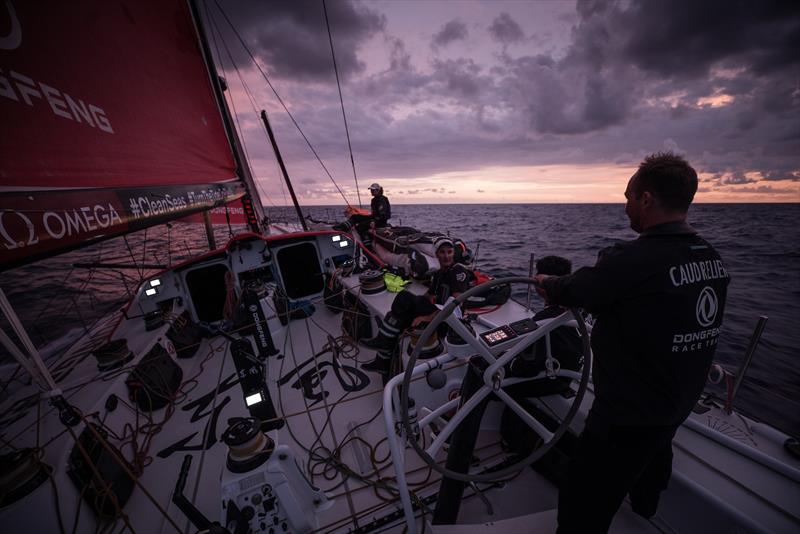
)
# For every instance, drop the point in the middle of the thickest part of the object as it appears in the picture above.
(243, 168)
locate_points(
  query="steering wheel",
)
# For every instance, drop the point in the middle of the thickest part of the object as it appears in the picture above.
(493, 379)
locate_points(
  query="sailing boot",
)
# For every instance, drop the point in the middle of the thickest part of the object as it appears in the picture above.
(343, 226)
(381, 364)
(388, 332)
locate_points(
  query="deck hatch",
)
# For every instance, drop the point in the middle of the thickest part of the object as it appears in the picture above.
(300, 270)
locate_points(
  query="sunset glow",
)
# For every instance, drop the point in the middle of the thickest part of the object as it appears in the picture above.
(467, 101)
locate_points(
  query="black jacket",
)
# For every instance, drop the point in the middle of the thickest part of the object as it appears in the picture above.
(456, 279)
(381, 210)
(658, 302)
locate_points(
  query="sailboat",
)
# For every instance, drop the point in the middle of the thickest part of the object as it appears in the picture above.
(227, 395)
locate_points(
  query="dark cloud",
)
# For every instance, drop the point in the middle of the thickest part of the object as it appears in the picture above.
(458, 77)
(292, 39)
(792, 175)
(506, 30)
(605, 96)
(688, 40)
(747, 119)
(399, 58)
(763, 189)
(455, 30)
(737, 178)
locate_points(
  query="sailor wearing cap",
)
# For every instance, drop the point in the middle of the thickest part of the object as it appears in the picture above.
(409, 309)
(381, 209)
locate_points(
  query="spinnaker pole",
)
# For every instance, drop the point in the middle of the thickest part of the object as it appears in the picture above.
(283, 170)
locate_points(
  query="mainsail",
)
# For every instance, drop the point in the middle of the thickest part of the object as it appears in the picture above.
(98, 141)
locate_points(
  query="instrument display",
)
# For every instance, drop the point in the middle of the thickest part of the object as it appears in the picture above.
(498, 335)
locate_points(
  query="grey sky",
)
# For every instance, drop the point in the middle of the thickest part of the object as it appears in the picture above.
(456, 86)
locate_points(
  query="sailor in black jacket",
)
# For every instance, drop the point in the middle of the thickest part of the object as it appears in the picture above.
(381, 209)
(658, 302)
(409, 309)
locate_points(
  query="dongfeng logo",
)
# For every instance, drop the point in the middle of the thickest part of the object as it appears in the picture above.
(13, 38)
(707, 306)
(252, 308)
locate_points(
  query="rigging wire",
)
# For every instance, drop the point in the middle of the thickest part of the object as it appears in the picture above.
(224, 350)
(250, 97)
(329, 413)
(216, 30)
(280, 100)
(341, 101)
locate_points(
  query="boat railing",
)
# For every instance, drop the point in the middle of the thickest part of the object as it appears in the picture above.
(391, 403)
(397, 433)
(748, 358)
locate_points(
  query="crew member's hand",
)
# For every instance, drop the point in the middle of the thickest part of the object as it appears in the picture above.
(422, 319)
(539, 288)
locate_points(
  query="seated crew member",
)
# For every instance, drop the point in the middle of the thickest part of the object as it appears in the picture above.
(380, 213)
(566, 347)
(381, 209)
(409, 309)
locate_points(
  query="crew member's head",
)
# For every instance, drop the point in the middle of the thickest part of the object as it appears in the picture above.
(445, 252)
(376, 189)
(553, 266)
(660, 191)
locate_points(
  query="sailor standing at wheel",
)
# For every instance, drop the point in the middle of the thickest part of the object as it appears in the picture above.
(658, 302)
(409, 309)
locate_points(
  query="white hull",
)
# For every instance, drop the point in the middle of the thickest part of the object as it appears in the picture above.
(335, 429)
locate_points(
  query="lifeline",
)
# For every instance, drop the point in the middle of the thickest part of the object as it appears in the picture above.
(697, 271)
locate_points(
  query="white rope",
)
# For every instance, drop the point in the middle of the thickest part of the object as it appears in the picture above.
(27, 343)
(17, 354)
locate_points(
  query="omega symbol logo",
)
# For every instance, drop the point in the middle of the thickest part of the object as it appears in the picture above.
(13, 38)
(707, 306)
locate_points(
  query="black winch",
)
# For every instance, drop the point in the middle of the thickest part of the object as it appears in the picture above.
(113, 355)
(248, 446)
(21, 473)
(433, 347)
(185, 335)
(372, 282)
(153, 320)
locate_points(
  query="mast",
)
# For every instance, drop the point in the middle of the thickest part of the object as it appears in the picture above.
(283, 170)
(243, 168)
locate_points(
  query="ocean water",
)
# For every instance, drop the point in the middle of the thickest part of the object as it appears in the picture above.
(758, 243)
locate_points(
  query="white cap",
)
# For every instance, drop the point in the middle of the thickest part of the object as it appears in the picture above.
(442, 241)
(375, 186)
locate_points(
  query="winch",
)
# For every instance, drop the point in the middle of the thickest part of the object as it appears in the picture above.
(262, 488)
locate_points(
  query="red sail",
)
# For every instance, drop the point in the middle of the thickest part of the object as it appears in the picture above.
(106, 95)
(231, 213)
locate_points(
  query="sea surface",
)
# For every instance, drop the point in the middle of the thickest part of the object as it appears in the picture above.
(759, 244)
